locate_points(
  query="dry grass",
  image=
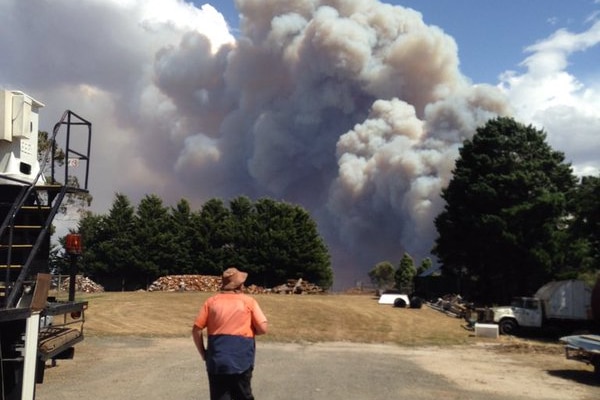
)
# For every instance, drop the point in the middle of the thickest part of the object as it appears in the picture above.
(305, 318)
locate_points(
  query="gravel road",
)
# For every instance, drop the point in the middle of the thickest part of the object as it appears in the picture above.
(142, 368)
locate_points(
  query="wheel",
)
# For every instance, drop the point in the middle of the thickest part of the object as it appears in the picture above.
(416, 302)
(508, 326)
(399, 302)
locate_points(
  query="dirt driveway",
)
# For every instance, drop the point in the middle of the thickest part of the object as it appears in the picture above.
(141, 368)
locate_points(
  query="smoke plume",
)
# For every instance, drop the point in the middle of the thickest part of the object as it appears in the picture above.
(353, 109)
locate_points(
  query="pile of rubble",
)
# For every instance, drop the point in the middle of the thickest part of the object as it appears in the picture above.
(299, 286)
(82, 284)
(209, 283)
(253, 289)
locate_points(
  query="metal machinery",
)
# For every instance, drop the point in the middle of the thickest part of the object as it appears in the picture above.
(34, 329)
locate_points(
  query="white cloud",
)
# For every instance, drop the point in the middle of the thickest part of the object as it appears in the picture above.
(97, 58)
(548, 96)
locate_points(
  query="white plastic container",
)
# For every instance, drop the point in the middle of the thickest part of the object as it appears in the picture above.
(486, 330)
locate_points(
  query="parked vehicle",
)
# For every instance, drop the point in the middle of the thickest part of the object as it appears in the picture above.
(584, 348)
(558, 303)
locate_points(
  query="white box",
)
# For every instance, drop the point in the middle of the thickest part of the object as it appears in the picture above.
(486, 330)
(18, 116)
(22, 126)
(5, 115)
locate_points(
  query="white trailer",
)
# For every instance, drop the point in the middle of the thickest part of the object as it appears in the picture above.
(395, 299)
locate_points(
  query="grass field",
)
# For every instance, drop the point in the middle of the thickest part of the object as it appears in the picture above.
(292, 318)
(426, 346)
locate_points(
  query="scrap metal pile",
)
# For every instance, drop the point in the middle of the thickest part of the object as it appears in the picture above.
(453, 305)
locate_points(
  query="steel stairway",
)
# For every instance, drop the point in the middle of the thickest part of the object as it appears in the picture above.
(29, 207)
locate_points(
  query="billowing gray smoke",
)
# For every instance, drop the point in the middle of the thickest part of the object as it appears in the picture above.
(353, 109)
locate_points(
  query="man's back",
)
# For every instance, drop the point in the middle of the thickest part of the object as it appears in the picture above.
(231, 313)
(231, 319)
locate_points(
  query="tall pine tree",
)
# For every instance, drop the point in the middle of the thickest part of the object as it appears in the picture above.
(502, 228)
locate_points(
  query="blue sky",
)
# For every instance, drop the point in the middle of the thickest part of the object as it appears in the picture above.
(492, 36)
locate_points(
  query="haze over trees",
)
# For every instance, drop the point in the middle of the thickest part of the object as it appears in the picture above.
(405, 273)
(382, 275)
(515, 216)
(132, 246)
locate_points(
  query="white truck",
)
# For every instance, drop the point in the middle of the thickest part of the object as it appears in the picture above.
(559, 302)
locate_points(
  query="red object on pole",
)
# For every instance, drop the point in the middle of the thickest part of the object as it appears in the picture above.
(73, 243)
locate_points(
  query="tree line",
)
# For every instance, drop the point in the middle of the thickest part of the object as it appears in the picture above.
(384, 276)
(515, 217)
(131, 246)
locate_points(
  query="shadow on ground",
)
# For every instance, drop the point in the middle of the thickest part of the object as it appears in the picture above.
(583, 377)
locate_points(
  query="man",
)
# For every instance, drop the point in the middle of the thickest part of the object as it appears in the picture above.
(232, 319)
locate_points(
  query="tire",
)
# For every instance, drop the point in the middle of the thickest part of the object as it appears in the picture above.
(508, 326)
(400, 303)
(416, 302)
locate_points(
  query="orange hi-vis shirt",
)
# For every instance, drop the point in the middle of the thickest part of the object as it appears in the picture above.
(230, 314)
(229, 319)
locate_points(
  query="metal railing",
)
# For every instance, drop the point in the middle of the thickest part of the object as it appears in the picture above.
(56, 192)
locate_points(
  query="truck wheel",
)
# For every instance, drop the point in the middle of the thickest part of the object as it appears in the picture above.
(400, 303)
(508, 326)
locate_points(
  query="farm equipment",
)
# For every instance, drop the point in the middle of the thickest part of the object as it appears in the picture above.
(34, 328)
(452, 305)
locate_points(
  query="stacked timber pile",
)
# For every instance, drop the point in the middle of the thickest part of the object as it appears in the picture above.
(184, 283)
(194, 283)
(82, 284)
(209, 283)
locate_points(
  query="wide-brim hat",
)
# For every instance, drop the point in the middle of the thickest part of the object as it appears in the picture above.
(232, 278)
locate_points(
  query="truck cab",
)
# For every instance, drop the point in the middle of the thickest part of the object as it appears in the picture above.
(523, 312)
